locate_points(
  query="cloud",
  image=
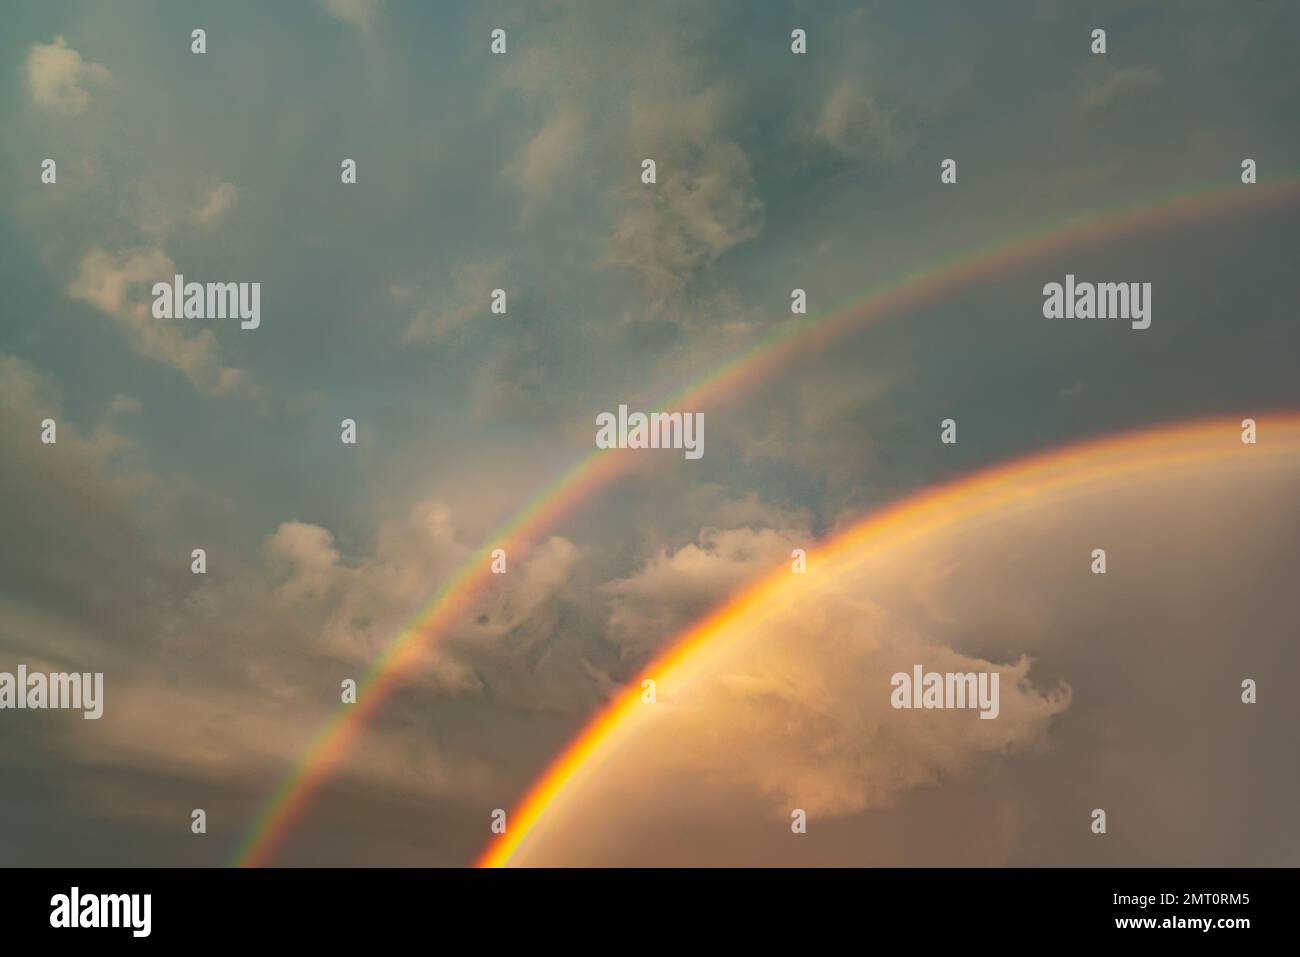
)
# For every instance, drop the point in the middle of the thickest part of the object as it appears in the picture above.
(169, 205)
(648, 97)
(704, 203)
(359, 13)
(674, 587)
(245, 661)
(549, 151)
(234, 734)
(790, 718)
(112, 282)
(1103, 85)
(510, 385)
(546, 158)
(186, 646)
(702, 207)
(821, 422)
(522, 637)
(124, 405)
(352, 607)
(58, 77)
(440, 312)
(219, 199)
(854, 123)
(308, 552)
(792, 711)
(825, 738)
(70, 503)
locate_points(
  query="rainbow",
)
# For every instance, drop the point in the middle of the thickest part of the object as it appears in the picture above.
(1027, 479)
(791, 340)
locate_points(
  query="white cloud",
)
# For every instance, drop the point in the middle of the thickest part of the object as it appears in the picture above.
(794, 710)
(219, 199)
(350, 607)
(312, 561)
(548, 156)
(705, 201)
(854, 123)
(112, 283)
(674, 587)
(58, 77)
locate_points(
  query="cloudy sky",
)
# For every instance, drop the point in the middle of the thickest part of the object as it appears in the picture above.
(522, 171)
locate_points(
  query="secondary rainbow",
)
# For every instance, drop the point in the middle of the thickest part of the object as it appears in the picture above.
(793, 339)
(928, 511)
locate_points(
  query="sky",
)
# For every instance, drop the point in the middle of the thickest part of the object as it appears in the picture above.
(523, 171)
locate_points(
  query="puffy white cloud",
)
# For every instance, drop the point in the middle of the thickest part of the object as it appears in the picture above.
(792, 710)
(676, 586)
(59, 79)
(113, 284)
(352, 606)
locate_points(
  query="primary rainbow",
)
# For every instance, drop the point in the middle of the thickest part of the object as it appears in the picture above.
(1026, 478)
(332, 741)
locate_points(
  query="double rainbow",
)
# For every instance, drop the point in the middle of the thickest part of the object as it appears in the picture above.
(334, 739)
